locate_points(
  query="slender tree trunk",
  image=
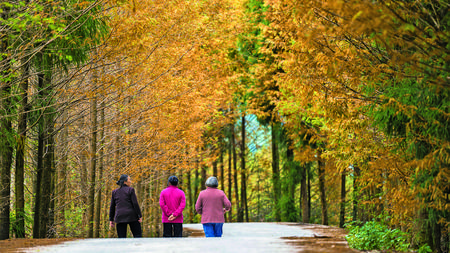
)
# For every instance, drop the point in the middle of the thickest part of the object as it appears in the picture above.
(189, 193)
(6, 145)
(222, 173)
(93, 163)
(230, 213)
(100, 170)
(20, 156)
(343, 193)
(62, 185)
(276, 171)
(214, 165)
(203, 177)
(236, 187)
(47, 187)
(45, 160)
(196, 179)
(39, 165)
(304, 195)
(244, 207)
(323, 198)
(292, 168)
(308, 172)
(355, 192)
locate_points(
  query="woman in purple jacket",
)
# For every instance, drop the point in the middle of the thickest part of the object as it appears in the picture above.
(212, 203)
(172, 201)
(124, 209)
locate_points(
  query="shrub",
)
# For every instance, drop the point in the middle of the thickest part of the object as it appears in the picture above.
(374, 235)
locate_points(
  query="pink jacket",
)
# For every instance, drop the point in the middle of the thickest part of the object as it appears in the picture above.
(211, 203)
(172, 201)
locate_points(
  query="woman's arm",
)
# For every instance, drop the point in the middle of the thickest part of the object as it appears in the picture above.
(199, 204)
(181, 206)
(162, 204)
(226, 203)
(135, 203)
(112, 210)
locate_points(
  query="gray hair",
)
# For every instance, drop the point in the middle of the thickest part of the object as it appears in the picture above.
(212, 182)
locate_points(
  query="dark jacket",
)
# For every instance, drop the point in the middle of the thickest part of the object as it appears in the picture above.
(124, 206)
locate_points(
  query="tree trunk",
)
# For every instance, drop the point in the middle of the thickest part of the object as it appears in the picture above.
(20, 156)
(6, 146)
(355, 192)
(48, 169)
(222, 173)
(304, 194)
(236, 187)
(39, 167)
(189, 193)
(196, 179)
(230, 213)
(203, 177)
(62, 177)
(292, 169)
(214, 165)
(244, 207)
(45, 158)
(309, 190)
(93, 163)
(276, 171)
(343, 193)
(323, 198)
(100, 170)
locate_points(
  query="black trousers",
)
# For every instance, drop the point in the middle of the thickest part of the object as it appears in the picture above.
(173, 229)
(135, 227)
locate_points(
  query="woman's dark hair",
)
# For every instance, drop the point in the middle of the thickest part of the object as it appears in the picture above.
(173, 180)
(122, 179)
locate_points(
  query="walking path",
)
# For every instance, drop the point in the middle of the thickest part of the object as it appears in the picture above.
(237, 237)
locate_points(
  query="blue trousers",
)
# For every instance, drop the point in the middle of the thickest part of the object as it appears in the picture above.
(213, 229)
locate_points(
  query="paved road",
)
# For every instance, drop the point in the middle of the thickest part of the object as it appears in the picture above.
(237, 237)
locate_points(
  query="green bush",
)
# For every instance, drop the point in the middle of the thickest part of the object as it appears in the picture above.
(374, 235)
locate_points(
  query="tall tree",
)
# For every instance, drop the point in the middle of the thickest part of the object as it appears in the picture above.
(276, 171)
(343, 194)
(6, 143)
(239, 213)
(244, 205)
(20, 155)
(322, 191)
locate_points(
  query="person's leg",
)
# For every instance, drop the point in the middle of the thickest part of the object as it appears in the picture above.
(177, 229)
(121, 230)
(218, 229)
(136, 230)
(208, 229)
(167, 230)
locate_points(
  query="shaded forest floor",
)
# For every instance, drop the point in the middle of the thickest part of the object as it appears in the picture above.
(327, 239)
(18, 245)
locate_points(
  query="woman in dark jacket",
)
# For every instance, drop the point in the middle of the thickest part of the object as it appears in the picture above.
(124, 209)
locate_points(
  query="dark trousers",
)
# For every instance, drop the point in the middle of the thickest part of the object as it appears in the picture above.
(173, 229)
(135, 227)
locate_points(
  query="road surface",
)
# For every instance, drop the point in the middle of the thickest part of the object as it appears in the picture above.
(237, 237)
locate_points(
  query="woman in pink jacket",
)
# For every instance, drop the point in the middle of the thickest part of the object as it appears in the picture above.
(172, 201)
(212, 203)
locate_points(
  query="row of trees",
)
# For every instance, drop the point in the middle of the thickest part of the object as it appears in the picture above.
(284, 101)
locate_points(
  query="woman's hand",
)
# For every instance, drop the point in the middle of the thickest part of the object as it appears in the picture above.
(171, 217)
(140, 220)
(111, 223)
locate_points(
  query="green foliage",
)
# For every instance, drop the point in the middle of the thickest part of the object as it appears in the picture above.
(374, 235)
(424, 249)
